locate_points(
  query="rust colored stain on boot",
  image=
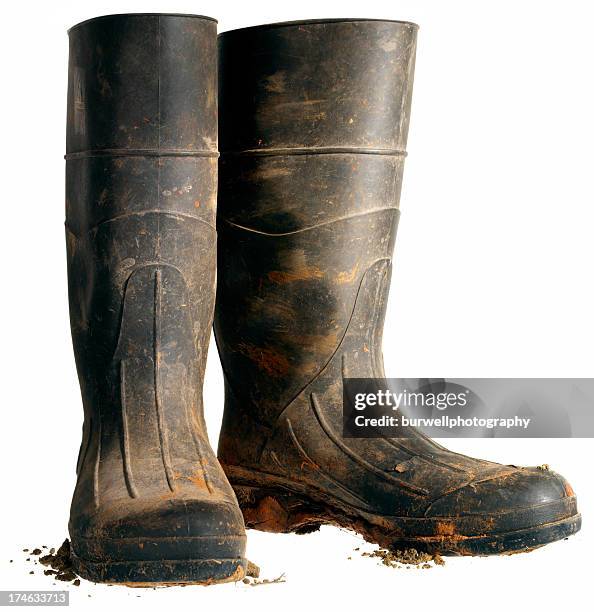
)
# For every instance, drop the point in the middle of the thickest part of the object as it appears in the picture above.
(266, 359)
(347, 277)
(290, 276)
(445, 528)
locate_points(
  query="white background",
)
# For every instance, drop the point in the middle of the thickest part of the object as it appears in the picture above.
(493, 277)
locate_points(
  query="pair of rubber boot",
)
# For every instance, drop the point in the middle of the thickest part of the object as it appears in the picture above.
(313, 126)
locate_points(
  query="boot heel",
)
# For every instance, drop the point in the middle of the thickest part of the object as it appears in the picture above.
(277, 510)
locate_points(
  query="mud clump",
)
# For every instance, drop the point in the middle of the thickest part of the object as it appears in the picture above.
(59, 567)
(253, 573)
(60, 564)
(407, 558)
(253, 582)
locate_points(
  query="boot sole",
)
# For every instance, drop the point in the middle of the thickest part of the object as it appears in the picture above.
(163, 572)
(273, 504)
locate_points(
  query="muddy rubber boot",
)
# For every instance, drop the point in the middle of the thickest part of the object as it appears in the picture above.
(314, 121)
(151, 503)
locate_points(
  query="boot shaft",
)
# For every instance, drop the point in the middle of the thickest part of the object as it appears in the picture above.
(314, 119)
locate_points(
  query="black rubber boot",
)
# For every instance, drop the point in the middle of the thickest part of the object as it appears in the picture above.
(314, 121)
(151, 503)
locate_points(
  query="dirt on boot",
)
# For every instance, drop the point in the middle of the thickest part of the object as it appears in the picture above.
(406, 558)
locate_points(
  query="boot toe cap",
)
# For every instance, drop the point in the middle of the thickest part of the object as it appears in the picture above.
(517, 490)
(210, 528)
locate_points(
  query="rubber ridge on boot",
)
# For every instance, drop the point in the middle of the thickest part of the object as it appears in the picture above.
(151, 503)
(314, 123)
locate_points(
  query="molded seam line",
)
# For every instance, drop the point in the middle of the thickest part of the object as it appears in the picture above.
(374, 211)
(128, 476)
(138, 213)
(199, 450)
(355, 456)
(97, 464)
(287, 151)
(152, 211)
(163, 441)
(84, 449)
(138, 153)
(309, 460)
(178, 538)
